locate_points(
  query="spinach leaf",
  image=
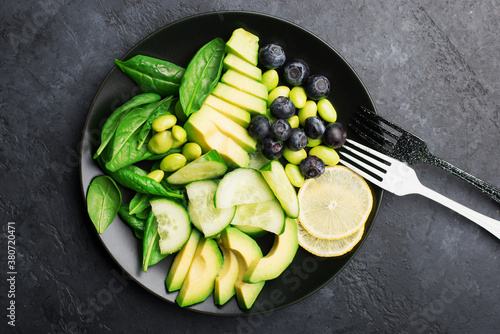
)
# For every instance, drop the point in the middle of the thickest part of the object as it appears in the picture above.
(125, 146)
(127, 133)
(151, 253)
(135, 178)
(139, 203)
(137, 224)
(166, 107)
(201, 77)
(113, 121)
(103, 201)
(128, 154)
(153, 75)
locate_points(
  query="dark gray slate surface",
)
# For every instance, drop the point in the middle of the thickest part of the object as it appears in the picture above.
(432, 67)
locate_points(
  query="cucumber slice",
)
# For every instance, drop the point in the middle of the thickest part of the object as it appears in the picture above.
(208, 166)
(174, 227)
(254, 232)
(242, 186)
(257, 160)
(275, 176)
(268, 216)
(202, 211)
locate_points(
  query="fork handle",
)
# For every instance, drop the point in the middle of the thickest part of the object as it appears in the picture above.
(489, 224)
(485, 187)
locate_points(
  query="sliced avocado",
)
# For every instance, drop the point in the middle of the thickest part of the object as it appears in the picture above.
(252, 104)
(180, 267)
(231, 129)
(227, 277)
(209, 137)
(234, 155)
(237, 64)
(279, 257)
(244, 83)
(200, 280)
(238, 115)
(245, 45)
(246, 293)
(246, 250)
(203, 133)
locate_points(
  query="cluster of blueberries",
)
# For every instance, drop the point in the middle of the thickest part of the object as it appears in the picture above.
(275, 136)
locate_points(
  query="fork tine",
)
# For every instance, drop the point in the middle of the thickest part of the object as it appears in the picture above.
(371, 113)
(364, 148)
(371, 173)
(371, 136)
(376, 171)
(371, 124)
(362, 173)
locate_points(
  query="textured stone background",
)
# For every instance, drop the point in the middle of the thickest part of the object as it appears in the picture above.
(431, 66)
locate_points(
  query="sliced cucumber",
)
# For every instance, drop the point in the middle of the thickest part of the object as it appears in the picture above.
(242, 186)
(257, 160)
(254, 232)
(208, 166)
(202, 211)
(275, 176)
(268, 216)
(174, 227)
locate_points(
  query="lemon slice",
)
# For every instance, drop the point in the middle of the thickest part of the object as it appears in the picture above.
(334, 205)
(328, 248)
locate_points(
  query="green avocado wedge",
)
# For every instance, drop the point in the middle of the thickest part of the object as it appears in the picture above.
(227, 277)
(180, 267)
(246, 250)
(200, 280)
(279, 257)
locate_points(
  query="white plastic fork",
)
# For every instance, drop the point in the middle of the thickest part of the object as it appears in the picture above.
(400, 179)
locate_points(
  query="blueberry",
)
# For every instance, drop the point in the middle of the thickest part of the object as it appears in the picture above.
(272, 56)
(314, 127)
(282, 107)
(259, 127)
(311, 167)
(296, 72)
(281, 129)
(317, 87)
(297, 140)
(271, 148)
(335, 135)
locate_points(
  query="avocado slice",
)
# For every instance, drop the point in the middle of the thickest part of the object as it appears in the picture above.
(236, 114)
(225, 281)
(252, 104)
(246, 250)
(237, 64)
(231, 129)
(279, 257)
(245, 45)
(200, 280)
(244, 83)
(180, 267)
(209, 137)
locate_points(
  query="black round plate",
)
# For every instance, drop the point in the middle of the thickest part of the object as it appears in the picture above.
(178, 42)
